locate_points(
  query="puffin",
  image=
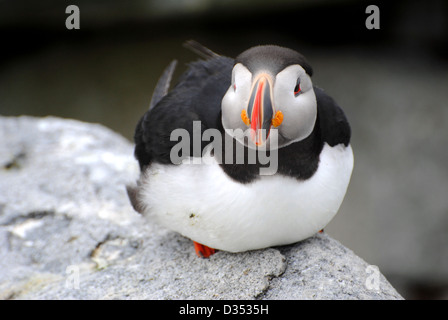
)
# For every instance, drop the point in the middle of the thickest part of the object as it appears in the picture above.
(242, 153)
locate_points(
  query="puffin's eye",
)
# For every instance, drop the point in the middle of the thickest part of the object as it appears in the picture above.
(297, 88)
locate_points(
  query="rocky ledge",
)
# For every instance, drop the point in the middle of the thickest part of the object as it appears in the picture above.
(68, 231)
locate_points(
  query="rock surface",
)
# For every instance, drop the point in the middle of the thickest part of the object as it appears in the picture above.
(68, 231)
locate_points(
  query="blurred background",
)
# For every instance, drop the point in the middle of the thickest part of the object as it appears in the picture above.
(392, 84)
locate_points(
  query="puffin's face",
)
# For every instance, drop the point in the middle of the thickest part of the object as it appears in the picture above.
(266, 102)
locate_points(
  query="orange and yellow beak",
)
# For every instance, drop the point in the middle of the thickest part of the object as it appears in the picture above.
(259, 115)
(260, 109)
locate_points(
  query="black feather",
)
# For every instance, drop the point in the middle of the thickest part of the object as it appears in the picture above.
(163, 84)
(273, 58)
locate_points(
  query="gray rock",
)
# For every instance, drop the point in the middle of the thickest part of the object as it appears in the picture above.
(68, 231)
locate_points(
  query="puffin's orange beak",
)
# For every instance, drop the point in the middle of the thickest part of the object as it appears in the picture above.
(260, 109)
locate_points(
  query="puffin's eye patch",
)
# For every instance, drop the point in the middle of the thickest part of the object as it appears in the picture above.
(297, 88)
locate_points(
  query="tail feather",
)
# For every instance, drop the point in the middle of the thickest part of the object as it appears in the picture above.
(132, 192)
(200, 50)
(163, 84)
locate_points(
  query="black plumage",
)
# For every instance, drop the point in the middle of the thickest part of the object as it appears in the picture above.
(272, 57)
(198, 95)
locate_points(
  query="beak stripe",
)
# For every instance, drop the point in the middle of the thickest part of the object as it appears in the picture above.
(257, 114)
(260, 110)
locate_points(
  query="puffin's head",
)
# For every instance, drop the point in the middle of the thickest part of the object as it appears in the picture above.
(271, 93)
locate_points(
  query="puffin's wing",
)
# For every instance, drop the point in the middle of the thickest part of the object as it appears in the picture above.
(334, 126)
(196, 97)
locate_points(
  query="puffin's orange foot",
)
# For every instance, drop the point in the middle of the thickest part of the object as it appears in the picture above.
(321, 231)
(203, 251)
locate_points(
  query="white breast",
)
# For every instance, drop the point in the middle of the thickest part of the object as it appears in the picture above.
(202, 203)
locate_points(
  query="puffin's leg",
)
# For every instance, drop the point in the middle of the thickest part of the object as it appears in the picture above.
(203, 251)
(321, 231)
